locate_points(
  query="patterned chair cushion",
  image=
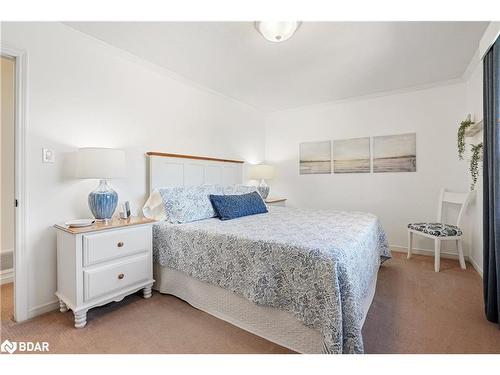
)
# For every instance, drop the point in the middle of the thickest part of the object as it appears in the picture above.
(437, 229)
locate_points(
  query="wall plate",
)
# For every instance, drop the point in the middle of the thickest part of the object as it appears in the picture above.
(48, 155)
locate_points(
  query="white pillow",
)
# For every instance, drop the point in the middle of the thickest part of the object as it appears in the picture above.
(153, 208)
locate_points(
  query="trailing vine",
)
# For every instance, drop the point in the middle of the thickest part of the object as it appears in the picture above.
(477, 151)
(461, 136)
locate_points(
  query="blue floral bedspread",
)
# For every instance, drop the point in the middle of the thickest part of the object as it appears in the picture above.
(315, 264)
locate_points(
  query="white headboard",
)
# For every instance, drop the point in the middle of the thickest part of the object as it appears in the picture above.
(172, 170)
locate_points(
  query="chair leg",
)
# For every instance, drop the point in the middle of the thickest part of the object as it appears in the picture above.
(437, 254)
(461, 254)
(410, 244)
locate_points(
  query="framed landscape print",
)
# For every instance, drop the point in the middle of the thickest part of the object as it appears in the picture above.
(351, 155)
(395, 153)
(315, 157)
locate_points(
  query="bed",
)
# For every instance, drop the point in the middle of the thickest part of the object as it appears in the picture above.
(301, 278)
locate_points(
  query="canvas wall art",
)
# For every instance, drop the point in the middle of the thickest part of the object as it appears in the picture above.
(315, 157)
(351, 155)
(395, 153)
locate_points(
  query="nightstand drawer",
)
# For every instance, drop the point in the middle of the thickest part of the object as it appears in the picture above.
(103, 280)
(110, 245)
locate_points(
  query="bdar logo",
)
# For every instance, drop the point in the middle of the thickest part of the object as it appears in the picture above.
(9, 347)
(24, 346)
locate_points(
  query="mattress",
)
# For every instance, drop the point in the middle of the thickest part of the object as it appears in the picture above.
(316, 265)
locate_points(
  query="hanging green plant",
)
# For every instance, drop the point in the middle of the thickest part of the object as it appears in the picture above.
(477, 151)
(461, 136)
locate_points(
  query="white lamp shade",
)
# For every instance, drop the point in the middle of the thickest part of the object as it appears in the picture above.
(100, 163)
(261, 172)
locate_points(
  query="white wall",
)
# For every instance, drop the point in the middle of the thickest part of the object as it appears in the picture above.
(7, 163)
(82, 92)
(397, 198)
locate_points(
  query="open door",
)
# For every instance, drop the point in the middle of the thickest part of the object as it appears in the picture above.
(7, 185)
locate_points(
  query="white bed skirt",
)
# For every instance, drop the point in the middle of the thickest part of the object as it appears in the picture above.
(272, 324)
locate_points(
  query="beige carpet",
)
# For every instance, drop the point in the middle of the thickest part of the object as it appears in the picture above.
(414, 311)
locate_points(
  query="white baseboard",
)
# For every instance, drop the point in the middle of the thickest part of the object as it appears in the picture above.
(6, 251)
(7, 276)
(44, 308)
(478, 269)
(427, 252)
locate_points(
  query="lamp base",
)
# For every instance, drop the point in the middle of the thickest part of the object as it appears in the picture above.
(263, 189)
(103, 201)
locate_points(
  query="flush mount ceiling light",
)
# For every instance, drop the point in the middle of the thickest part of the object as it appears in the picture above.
(277, 31)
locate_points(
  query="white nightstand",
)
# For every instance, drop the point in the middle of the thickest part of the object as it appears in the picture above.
(281, 202)
(103, 263)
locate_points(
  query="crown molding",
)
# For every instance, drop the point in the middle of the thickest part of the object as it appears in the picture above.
(128, 56)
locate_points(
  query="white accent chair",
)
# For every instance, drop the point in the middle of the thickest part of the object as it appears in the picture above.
(440, 231)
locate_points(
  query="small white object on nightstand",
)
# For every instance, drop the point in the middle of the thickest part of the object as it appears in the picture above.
(279, 202)
(103, 263)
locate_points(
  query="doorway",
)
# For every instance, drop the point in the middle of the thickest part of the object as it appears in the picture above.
(13, 205)
(7, 187)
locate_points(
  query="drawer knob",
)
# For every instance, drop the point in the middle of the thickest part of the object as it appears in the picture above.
(119, 244)
(121, 276)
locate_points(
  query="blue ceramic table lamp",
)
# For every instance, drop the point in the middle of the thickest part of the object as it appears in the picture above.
(262, 172)
(102, 164)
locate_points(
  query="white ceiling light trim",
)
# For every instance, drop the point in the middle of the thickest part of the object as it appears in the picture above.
(277, 31)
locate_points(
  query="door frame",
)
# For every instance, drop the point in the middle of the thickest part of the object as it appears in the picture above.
(21, 295)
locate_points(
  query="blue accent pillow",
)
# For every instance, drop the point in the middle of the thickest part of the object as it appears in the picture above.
(229, 207)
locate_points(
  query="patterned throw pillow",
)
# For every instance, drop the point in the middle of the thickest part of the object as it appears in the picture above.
(230, 207)
(192, 203)
(237, 189)
(183, 205)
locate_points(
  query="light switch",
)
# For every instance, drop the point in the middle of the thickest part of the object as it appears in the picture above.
(48, 155)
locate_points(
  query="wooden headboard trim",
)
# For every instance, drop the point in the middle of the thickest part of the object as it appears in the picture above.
(163, 154)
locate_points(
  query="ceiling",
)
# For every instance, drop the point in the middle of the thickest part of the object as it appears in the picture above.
(323, 61)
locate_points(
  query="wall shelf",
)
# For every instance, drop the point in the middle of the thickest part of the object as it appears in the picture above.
(472, 130)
